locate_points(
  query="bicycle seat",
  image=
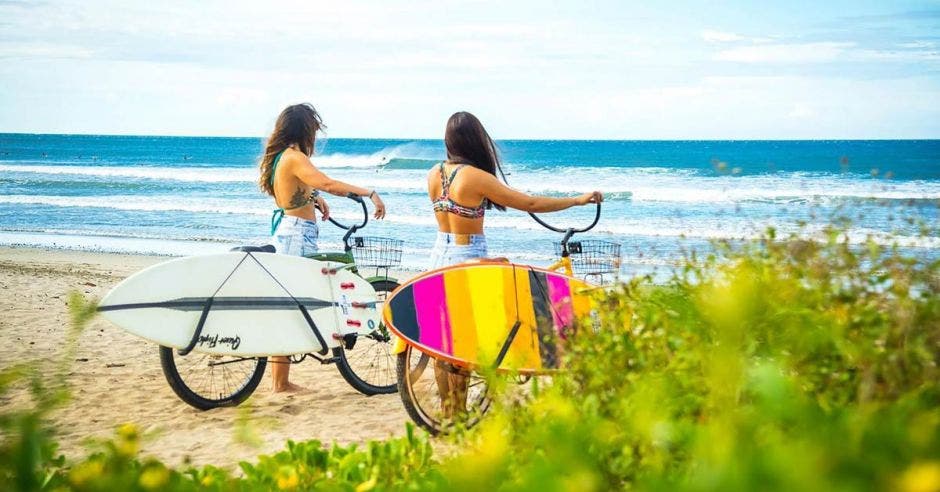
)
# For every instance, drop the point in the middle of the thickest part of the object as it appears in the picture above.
(267, 248)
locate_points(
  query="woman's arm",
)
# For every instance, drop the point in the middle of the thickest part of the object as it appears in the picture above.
(313, 177)
(495, 191)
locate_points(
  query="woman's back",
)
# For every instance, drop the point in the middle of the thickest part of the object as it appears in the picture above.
(290, 193)
(456, 197)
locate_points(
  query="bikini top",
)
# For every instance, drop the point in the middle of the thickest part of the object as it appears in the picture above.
(279, 212)
(444, 203)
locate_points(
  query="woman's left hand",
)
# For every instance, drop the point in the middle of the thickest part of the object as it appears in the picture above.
(323, 207)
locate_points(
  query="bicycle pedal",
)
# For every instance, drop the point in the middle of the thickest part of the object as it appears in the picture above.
(329, 360)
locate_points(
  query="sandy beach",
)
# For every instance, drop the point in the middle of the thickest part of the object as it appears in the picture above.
(116, 377)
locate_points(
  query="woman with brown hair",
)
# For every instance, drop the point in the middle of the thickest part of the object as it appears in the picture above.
(288, 175)
(469, 176)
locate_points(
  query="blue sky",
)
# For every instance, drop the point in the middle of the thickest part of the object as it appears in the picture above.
(578, 69)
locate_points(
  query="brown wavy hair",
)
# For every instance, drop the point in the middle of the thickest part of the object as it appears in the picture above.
(467, 142)
(297, 124)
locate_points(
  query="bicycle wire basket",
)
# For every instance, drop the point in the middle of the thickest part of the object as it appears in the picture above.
(593, 256)
(379, 252)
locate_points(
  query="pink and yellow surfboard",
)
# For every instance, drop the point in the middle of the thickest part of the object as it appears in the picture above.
(495, 314)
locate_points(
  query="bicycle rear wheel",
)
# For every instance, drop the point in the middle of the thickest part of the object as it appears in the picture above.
(421, 395)
(210, 381)
(370, 365)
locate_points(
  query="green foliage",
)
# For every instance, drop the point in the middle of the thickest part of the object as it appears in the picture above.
(397, 463)
(782, 364)
(778, 365)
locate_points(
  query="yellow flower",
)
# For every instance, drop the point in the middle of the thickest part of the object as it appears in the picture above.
(127, 447)
(128, 440)
(127, 431)
(922, 477)
(287, 478)
(154, 477)
(85, 472)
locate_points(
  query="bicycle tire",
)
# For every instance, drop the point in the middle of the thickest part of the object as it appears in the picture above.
(199, 389)
(421, 399)
(369, 366)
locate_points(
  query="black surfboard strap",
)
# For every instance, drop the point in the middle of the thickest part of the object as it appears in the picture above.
(515, 327)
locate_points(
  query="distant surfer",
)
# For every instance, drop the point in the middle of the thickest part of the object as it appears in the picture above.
(469, 176)
(288, 175)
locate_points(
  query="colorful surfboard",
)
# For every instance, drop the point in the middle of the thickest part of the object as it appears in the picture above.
(498, 314)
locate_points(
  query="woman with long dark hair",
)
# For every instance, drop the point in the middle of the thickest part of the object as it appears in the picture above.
(288, 175)
(461, 190)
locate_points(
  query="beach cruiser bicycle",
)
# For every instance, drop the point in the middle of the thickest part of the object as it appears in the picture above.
(366, 362)
(593, 260)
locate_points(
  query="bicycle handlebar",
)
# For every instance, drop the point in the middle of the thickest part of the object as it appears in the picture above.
(365, 214)
(571, 230)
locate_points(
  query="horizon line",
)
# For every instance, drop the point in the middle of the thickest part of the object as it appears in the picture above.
(496, 139)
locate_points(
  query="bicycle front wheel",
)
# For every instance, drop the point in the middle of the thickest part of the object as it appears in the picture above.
(370, 365)
(421, 392)
(210, 381)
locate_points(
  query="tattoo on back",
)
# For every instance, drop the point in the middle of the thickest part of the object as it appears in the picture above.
(299, 198)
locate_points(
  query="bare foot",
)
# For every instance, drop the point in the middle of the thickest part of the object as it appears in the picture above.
(289, 388)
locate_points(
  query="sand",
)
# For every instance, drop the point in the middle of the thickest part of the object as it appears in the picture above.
(116, 377)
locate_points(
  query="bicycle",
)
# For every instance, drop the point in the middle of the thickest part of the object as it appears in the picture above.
(209, 381)
(418, 386)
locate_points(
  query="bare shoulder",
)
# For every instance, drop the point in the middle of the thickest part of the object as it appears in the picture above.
(434, 172)
(296, 158)
(477, 174)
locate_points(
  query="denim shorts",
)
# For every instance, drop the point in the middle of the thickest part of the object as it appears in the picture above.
(447, 252)
(296, 237)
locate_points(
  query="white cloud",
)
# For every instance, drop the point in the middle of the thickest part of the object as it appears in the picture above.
(917, 45)
(897, 55)
(801, 111)
(785, 53)
(43, 50)
(713, 36)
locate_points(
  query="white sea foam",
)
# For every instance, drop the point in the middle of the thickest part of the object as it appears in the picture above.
(146, 204)
(704, 228)
(635, 184)
(190, 174)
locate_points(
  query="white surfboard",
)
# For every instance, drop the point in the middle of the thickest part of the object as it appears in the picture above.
(251, 303)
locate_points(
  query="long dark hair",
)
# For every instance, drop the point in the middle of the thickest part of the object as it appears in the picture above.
(297, 124)
(468, 143)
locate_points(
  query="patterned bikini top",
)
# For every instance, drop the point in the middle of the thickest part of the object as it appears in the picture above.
(444, 203)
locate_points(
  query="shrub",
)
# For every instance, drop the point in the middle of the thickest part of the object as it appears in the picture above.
(773, 365)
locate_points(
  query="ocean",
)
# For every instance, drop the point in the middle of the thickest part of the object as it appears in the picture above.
(189, 195)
